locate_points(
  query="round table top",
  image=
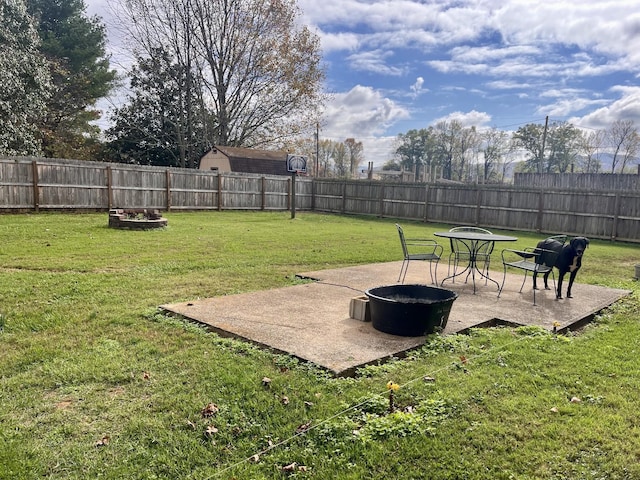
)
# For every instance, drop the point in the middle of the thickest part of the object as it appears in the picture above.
(480, 236)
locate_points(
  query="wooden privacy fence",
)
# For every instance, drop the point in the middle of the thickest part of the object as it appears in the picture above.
(50, 184)
(53, 184)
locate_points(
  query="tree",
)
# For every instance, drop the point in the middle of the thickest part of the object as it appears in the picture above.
(411, 150)
(354, 153)
(589, 146)
(152, 128)
(24, 81)
(259, 69)
(468, 141)
(529, 137)
(448, 139)
(497, 149)
(563, 142)
(341, 160)
(74, 46)
(621, 139)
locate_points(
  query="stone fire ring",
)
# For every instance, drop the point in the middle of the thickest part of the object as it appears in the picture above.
(136, 219)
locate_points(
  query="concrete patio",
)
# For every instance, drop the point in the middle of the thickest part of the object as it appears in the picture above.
(311, 321)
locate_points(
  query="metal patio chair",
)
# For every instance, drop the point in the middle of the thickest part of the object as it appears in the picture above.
(419, 249)
(538, 260)
(460, 251)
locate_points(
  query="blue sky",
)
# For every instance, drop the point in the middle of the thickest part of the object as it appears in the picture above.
(394, 65)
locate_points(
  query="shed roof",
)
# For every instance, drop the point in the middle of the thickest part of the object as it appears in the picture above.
(251, 160)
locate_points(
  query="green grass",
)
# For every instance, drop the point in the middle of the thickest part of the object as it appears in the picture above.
(96, 383)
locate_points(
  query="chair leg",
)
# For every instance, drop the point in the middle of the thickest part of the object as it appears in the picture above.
(504, 277)
(433, 274)
(523, 281)
(403, 270)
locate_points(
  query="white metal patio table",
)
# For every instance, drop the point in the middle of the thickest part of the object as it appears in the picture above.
(474, 241)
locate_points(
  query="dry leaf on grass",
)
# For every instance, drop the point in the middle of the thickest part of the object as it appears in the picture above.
(575, 400)
(284, 400)
(210, 410)
(103, 442)
(304, 427)
(266, 381)
(290, 468)
(210, 431)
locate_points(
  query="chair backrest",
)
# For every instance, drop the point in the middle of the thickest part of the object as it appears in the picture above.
(403, 242)
(457, 245)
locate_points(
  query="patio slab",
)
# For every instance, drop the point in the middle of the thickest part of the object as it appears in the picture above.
(311, 321)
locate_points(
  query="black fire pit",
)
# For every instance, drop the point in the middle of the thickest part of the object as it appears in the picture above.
(410, 310)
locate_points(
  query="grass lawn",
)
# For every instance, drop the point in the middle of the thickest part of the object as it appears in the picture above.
(96, 383)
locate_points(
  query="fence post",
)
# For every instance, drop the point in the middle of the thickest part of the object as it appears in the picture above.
(344, 197)
(540, 210)
(109, 188)
(478, 203)
(616, 214)
(168, 183)
(36, 190)
(426, 203)
(381, 207)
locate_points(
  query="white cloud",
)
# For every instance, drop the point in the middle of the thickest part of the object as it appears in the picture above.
(627, 107)
(467, 119)
(364, 114)
(374, 62)
(416, 88)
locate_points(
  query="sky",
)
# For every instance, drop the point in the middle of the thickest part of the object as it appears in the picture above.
(396, 65)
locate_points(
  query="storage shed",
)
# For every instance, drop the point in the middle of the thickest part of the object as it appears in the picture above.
(245, 160)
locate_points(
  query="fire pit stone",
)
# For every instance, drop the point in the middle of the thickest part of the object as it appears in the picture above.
(136, 218)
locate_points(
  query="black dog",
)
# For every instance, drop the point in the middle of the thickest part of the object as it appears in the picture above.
(569, 261)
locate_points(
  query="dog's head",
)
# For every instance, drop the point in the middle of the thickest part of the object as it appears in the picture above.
(579, 245)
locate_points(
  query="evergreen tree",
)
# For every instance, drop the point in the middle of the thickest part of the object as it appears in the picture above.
(74, 46)
(24, 84)
(153, 128)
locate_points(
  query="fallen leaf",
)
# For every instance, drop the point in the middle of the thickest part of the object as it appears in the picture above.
(290, 468)
(429, 379)
(302, 468)
(304, 427)
(103, 442)
(266, 381)
(210, 410)
(191, 424)
(308, 404)
(575, 400)
(285, 400)
(463, 359)
(255, 458)
(210, 431)
(554, 409)
(146, 375)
